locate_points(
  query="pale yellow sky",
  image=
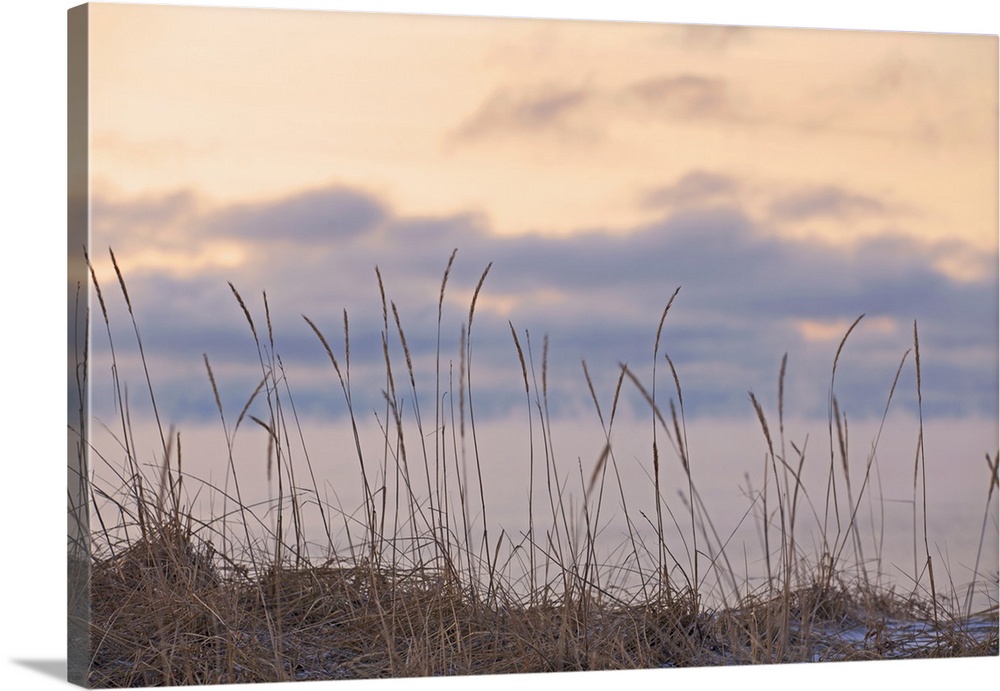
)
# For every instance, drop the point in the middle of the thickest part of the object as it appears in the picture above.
(548, 126)
(706, 144)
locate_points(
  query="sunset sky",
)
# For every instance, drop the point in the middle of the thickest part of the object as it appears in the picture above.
(724, 161)
(787, 180)
(552, 127)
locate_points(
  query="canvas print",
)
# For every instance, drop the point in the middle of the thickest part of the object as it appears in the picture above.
(407, 346)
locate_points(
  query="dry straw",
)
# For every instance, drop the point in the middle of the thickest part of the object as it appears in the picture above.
(411, 583)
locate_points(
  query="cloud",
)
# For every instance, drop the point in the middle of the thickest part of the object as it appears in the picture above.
(146, 215)
(584, 112)
(317, 216)
(545, 109)
(826, 201)
(684, 96)
(713, 38)
(747, 297)
(693, 189)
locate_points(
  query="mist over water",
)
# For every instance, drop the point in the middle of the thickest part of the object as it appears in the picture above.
(729, 462)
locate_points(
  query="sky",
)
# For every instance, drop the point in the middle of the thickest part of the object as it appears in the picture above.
(771, 185)
(34, 71)
(788, 181)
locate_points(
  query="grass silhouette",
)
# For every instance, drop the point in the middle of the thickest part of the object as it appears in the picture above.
(424, 587)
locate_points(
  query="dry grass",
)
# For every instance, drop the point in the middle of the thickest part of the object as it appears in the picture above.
(425, 589)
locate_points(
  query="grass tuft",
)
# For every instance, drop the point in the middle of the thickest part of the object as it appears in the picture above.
(412, 583)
